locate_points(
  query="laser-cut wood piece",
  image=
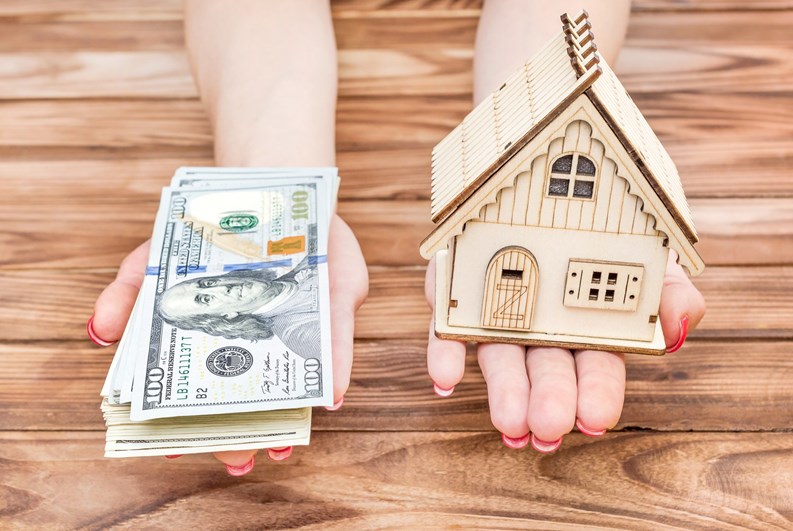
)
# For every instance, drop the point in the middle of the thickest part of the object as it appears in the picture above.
(555, 208)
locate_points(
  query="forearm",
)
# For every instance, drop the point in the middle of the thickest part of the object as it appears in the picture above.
(512, 31)
(266, 72)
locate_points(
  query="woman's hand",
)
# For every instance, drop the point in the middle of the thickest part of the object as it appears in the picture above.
(349, 286)
(538, 394)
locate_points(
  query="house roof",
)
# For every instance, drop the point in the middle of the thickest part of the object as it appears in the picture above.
(529, 100)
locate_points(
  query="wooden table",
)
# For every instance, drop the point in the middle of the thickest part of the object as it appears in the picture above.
(97, 108)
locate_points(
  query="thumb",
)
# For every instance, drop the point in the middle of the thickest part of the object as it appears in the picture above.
(114, 305)
(682, 305)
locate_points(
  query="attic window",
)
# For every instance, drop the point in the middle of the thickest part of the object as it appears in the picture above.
(583, 185)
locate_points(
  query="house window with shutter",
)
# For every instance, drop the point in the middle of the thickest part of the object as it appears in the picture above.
(572, 176)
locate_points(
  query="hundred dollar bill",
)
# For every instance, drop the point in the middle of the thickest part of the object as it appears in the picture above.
(235, 301)
(219, 178)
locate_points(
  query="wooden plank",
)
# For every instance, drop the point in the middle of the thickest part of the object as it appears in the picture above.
(155, 125)
(171, 10)
(436, 32)
(393, 7)
(166, 74)
(95, 74)
(90, 10)
(98, 231)
(104, 124)
(710, 385)
(409, 55)
(717, 155)
(743, 302)
(357, 28)
(410, 480)
(718, 26)
(652, 67)
(710, 5)
(710, 167)
(379, 174)
(744, 231)
(78, 36)
(165, 10)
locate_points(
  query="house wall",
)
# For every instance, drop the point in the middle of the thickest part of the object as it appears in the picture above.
(552, 250)
(610, 227)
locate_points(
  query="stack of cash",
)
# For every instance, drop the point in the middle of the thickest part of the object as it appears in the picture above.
(228, 344)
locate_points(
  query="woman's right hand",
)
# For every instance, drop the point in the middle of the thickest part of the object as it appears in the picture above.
(349, 286)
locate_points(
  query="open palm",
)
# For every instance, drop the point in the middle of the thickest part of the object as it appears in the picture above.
(538, 394)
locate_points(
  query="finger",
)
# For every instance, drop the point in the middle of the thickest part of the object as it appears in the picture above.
(601, 390)
(552, 402)
(342, 325)
(503, 367)
(445, 362)
(682, 305)
(429, 284)
(445, 358)
(239, 462)
(349, 286)
(112, 308)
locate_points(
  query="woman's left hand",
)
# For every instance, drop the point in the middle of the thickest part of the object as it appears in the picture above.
(538, 394)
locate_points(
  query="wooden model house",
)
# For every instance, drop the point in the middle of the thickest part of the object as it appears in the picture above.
(555, 208)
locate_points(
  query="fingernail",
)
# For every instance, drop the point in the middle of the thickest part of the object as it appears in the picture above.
(336, 405)
(515, 444)
(545, 447)
(238, 471)
(683, 335)
(443, 393)
(173, 456)
(89, 327)
(586, 431)
(279, 454)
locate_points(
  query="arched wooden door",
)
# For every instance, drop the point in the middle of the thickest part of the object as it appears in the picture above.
(510, 289)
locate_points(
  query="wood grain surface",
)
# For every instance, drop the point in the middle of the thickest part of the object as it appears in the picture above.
(411, 480)
(97, 108)
(392, 392)
(733, 231)
(41, 304)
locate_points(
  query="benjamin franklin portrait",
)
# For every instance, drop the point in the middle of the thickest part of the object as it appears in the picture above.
(249, 304)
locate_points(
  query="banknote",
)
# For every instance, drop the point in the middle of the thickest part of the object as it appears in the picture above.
(235, 310)
(242, 232)
(120, 374)
(199, 434)
(198, 177)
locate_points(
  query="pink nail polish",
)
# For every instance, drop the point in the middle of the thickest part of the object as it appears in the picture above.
(443, 393)
(586, 431)
(545, 447)
(683, 335)
(279, 454)
(89, 327)
(336, 405)
(515, 444)
(175, 456)
(238, 471)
